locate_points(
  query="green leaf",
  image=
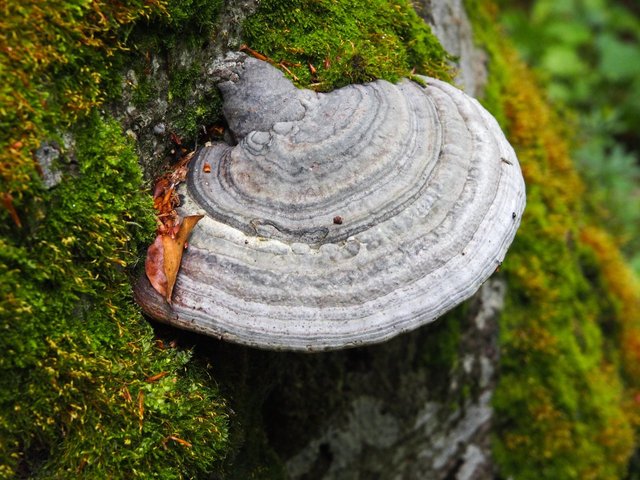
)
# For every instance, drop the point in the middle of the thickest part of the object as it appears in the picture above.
(563, 61)
(619, 60)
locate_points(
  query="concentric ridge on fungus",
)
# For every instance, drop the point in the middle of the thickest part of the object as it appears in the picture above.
(428, 192)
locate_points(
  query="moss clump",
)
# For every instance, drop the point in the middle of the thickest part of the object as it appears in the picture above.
(84, 390)
(187, 22)
(562, 405)
(345, 42)
(440, 353)
(57, 61)
(198, 107)
(77, 394)
(619, 301)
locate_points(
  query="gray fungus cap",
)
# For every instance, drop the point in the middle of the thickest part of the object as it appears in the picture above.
(340, 219)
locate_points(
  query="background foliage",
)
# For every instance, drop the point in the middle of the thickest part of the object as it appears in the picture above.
(566, 405)
(588, 54)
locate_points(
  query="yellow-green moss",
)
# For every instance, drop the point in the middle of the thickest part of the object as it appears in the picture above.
(56, 60)
(84, 390)
(620, 302)
(345, 42)
(562, 403)
(75, 396)
(178, 44)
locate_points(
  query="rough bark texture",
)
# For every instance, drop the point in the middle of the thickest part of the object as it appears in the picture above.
(451, 25)
(397, 423)
(151, 122)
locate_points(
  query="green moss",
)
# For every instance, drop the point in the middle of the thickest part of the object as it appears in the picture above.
(74, 396)
(78, 397)
(181, 83)
(180, 44)
(197, 107)
(561, 405)
(58, 60)
(419, 80)
(345, 42)
(203, 112)
(440, 352)
(143, 91)
(186, 21)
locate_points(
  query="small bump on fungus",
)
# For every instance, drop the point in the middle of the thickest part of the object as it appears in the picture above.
(432, 190)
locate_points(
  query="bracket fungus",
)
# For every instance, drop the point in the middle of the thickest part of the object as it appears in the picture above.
(340, 219)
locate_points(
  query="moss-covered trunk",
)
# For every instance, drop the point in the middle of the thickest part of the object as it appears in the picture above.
(89, 390)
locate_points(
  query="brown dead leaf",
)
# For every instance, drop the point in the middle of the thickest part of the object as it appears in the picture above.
(141, 407)
(7, 201)
(291, 74)
(180, 170)
(154, 266)
(259, 56)
(156, 377)
(179, 440)
(282, 64)
(161, 186)
(173, 248)
(165, 254)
